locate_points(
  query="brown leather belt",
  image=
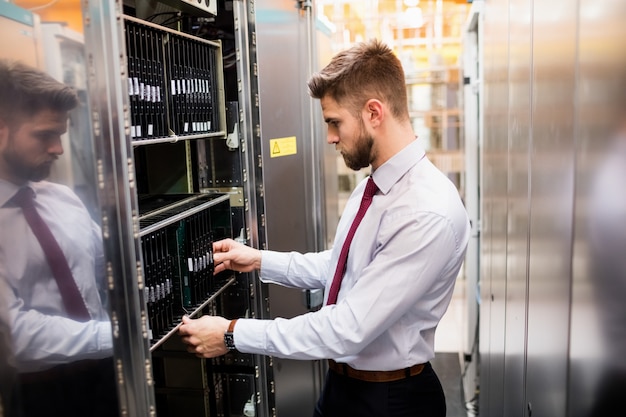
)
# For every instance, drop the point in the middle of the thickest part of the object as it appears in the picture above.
(375, 376)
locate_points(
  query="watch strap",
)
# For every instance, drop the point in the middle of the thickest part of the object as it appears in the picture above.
(229, 338)
(231, 326)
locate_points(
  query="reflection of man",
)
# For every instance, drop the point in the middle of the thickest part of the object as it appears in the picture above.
(60, 337)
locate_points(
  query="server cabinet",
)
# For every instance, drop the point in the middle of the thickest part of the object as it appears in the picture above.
(552, 319)
(177, 152)
(177, 140)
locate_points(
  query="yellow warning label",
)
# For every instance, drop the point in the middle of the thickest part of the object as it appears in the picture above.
(283, 146)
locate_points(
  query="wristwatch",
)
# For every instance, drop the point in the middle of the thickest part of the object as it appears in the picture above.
(229, 337)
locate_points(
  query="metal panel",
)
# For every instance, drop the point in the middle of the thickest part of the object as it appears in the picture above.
(566, 201)
(283, 64)
(598, 315)
(254, 207)
(293, 182)
(493, 243)
(551, 211)
(473, 131)
(520, 61)
(105, 57)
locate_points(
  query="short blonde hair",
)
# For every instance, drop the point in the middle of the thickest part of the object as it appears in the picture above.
(365, 71)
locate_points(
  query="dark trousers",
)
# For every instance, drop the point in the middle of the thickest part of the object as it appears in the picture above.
(417, 396)
(80, 389)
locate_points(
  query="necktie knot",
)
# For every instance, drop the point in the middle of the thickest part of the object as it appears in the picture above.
(24, 197)
(370, 188)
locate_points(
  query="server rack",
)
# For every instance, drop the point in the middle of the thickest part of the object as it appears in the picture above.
(184, 62)
(185, 177)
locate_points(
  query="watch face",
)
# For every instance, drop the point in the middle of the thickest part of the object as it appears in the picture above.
(229, 340)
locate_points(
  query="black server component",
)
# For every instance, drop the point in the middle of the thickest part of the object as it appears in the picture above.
(180, 70)
(186, 271)
(220, 164)
(235, 302)
(148, 85)
(145, 81)
(178, 232)
(133, 76)
(194, 244)
(158, 169)
(158, 67)
(142, 126)
(240, 395)
(177, 253)
(181, 383)
(228, 165)
(221, 386)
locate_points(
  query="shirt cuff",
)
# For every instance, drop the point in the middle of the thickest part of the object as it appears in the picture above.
(249, 335)
(105, 337)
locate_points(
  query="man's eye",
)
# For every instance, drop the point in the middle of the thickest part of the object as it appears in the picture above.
(47, 136)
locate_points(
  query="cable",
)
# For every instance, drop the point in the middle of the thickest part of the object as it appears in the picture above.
(174, 19)
(152, 17)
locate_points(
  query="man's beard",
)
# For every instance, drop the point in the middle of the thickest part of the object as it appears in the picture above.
(26, 172)
(362, 156)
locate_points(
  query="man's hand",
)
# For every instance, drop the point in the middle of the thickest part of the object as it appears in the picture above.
(204, 336)
(228, 254)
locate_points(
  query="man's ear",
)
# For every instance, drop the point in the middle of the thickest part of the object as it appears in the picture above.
(374, 112)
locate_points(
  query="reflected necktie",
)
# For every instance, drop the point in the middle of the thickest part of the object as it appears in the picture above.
(72, 299)
(370, 190)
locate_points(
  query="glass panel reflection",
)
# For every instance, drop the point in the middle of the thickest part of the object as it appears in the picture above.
(55, 334)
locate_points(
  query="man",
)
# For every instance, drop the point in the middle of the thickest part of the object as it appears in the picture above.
(378, 331)
(60, 344)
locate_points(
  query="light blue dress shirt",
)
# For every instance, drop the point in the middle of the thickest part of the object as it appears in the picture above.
(42, 334)
(403, 263)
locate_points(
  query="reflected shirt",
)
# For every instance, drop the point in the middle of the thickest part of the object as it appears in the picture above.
(43, 335)
(400, 274)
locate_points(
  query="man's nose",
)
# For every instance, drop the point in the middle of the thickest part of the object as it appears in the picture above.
(56, 146)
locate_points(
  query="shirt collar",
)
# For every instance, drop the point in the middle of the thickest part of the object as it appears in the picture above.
(8, 190)
(391, 171)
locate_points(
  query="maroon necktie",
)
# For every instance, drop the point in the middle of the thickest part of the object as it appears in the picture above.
(370, 190)
(72, 299)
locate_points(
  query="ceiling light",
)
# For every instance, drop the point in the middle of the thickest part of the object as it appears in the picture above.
(412, 18)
